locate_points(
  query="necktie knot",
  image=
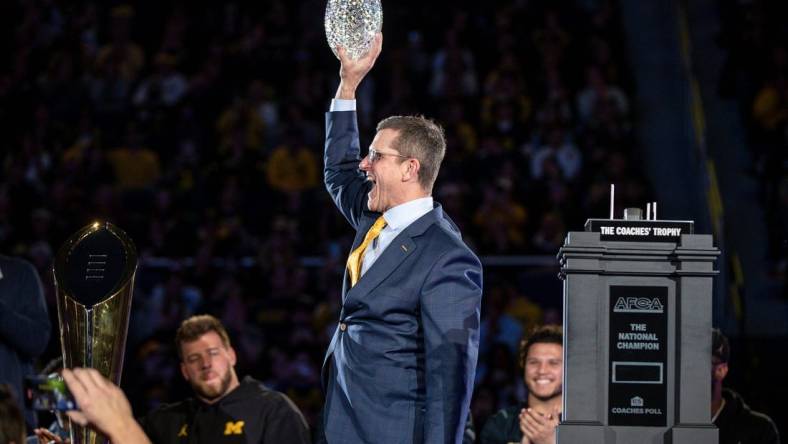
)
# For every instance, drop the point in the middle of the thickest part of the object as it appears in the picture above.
(355, 259)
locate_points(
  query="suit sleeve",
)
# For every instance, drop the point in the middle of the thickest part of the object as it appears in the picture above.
(24, 321)
(450, 309)
(347, 186)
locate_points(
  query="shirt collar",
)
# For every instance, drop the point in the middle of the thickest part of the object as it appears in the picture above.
(405, 214)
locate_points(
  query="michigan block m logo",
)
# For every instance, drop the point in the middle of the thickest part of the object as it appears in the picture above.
(234, 428)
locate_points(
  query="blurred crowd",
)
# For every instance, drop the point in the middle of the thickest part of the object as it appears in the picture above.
(756, 76)
(197, 127)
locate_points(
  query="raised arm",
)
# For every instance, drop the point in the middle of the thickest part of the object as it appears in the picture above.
(344, 182)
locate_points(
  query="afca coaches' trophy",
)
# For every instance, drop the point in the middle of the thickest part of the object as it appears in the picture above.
(637, 332)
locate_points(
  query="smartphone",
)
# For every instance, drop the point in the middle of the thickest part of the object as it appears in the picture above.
(48, 392)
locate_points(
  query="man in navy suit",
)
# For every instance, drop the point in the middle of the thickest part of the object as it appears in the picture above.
(401, 364)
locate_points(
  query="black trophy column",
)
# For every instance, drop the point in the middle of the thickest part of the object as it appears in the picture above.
(637, 343)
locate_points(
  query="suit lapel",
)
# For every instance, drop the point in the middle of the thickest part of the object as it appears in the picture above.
(397, 251)
(367, 223)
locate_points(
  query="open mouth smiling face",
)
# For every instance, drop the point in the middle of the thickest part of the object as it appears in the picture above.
(382, 168)
(544, 370)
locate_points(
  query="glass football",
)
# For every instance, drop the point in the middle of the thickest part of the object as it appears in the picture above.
(352, 24)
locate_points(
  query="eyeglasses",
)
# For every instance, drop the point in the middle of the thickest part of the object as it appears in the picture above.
(374, 155)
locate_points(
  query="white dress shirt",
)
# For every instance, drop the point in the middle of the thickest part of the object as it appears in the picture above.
(342, 105)
(397, 219)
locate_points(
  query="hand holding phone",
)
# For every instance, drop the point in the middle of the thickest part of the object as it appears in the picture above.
(103, 406)
(48, 392)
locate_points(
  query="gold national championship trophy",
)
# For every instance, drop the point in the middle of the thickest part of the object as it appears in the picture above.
(94, 281)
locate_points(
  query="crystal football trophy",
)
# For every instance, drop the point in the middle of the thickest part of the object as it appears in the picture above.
(352, 24)
(94, 279)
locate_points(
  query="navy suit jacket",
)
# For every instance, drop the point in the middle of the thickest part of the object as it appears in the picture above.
(24, 325)
(401, 363)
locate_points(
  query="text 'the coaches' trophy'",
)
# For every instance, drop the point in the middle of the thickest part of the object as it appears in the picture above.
(94, 279)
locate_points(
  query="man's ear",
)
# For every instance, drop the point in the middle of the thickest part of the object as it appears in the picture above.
(411, 170)
(184, 372)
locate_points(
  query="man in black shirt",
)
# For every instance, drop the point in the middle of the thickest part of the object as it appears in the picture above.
(224, 410)
(738, 424)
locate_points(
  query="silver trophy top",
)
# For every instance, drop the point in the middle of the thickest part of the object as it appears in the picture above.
(352, 24)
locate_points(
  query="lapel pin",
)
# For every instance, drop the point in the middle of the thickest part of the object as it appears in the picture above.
(404, 248)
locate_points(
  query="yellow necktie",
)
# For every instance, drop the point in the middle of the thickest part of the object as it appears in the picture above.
(355, 258)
